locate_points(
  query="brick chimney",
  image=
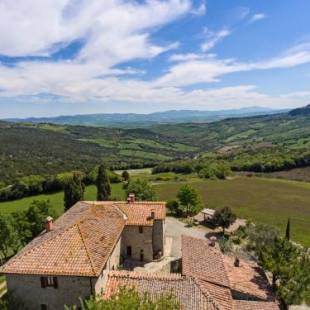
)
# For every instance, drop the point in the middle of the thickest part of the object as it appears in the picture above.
(237, 262)
(152, 214)
(131, 198)
(49, 224)
(212, 241)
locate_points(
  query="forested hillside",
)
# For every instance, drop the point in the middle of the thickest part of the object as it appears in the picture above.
(49, 149)
(45, 149)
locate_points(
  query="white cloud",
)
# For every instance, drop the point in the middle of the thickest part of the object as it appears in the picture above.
(115, 31)
(213, 38)
(256, 17)
(198, 70)
(200, 10)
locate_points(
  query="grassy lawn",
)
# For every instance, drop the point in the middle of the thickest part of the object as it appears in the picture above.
(56, 199)
(269, 201)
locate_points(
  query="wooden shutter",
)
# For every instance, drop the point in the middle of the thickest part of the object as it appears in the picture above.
(43, 282)
(55, 280)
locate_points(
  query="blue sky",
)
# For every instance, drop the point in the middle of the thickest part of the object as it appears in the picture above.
(91, 56)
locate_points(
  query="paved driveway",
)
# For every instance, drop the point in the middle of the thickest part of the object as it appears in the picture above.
(175, 229)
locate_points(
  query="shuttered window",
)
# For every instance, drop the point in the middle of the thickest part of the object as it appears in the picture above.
(49, 282)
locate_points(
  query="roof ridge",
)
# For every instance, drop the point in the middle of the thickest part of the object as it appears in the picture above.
(87, 253)
(204, 293)
(121, 212)
(146, 275)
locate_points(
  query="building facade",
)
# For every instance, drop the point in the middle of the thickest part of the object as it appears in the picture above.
(72, 258)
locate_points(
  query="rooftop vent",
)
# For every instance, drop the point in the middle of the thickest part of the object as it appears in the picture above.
(49, 224)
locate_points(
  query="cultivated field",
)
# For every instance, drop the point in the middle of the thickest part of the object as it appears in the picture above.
(269, 201)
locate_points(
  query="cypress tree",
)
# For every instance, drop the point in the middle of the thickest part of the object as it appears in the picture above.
(288, 229)
(125, 175)
(103, 184)
(73, 191)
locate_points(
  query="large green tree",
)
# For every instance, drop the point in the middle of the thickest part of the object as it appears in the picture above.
(290, 268)
(103, 184)
(261, 235)
(8, 239)
(30, 223)
(189, 200)
(224, 218)
(129, 299)
(73, 191)
(142, 190)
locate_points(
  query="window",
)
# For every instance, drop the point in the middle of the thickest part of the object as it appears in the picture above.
(129, 251)
(49, 282)
(140, 229)
(44, 307)
(141, 255)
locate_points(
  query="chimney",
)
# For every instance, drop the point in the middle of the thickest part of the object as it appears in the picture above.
(212, 241)
(49, 224)
(237, 262)
(152, 214)
(131, 198)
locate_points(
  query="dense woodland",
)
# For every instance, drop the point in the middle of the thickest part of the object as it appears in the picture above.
(35, 158)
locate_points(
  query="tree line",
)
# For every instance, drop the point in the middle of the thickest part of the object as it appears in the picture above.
(36, 184)
(220, 166)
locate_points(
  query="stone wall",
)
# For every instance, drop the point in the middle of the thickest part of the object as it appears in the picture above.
(138, 241)
(112, 264)
(27, 289)
(159, 236)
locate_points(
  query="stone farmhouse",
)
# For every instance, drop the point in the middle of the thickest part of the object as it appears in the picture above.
(73, 256)
(208, 280)
(79, 255)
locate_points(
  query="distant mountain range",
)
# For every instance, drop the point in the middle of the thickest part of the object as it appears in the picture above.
(301, 111)
(133, 120)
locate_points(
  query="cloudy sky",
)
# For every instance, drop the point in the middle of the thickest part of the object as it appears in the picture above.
(89, 56)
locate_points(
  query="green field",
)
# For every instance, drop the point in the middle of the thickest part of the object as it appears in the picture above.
(56, 199)
(261, 200)
(269, 201)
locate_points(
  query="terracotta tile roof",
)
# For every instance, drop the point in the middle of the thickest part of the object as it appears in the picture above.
(247, 281)
(255, 305)
(80, 243)
(82, 239)
(139, 212)
(205, 263)
(185, 289)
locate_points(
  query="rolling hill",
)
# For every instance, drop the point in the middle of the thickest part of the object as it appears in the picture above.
(46, 149)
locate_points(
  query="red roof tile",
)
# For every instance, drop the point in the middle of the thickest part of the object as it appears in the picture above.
(79, 244)
(185, 289)
(255, 305)
(247, 281)
(82, 239)
(205, 263)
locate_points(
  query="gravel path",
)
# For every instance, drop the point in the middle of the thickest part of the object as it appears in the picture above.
(175, 229)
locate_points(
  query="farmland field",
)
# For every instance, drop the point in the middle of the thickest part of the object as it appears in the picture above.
(269, 201)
